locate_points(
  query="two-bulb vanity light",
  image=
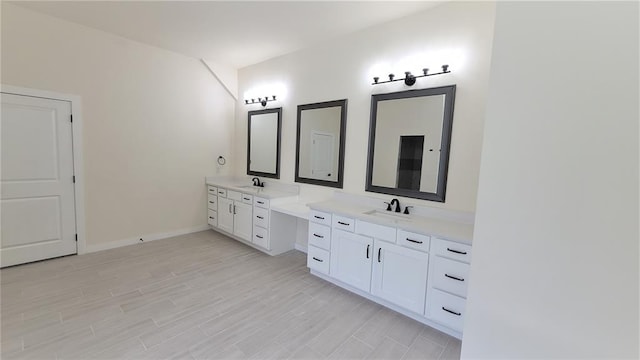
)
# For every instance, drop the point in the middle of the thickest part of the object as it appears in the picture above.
(410, 79)
(261, 101)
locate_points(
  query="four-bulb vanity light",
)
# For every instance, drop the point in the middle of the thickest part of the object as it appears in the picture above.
(261, 101)
(410, 79)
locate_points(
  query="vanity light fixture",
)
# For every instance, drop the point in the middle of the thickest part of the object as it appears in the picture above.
(261, 101)
(410, 79)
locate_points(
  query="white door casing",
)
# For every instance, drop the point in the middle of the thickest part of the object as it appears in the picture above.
(38, 196)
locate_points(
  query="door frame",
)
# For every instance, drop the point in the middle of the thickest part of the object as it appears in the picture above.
(333, 149)
(78, 159)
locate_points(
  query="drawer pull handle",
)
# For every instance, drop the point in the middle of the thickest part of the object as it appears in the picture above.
(454, 277)
(246, 198)
(457, 251)
(343, 223)
(259, 202)
(414, 241)
(318, 217)
(211, 202)
(450, 311)
(259, 237)
(368, 251)
(318, 236)
(316, 259)
(259, 217)
(379, 250)
(212, 218)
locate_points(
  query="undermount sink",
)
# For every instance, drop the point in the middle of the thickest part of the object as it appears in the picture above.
(388, 215)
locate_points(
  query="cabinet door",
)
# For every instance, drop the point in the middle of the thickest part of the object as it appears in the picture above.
(351, 256)
(243, 220)
(400, 275)
(225, 215)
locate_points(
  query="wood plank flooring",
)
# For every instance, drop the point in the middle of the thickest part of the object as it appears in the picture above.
(198, 296)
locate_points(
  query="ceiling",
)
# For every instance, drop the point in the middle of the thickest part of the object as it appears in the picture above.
(231, 33)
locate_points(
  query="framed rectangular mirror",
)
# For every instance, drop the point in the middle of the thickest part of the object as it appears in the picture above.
(409, 142)
(263, 145)
(320, 143)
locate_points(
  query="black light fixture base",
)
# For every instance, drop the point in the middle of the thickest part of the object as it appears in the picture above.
(410, 79)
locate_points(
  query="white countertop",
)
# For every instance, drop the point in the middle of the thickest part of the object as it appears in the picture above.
(266, 192)
(435, 226)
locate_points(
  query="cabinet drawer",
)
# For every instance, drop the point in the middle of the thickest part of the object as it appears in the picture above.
(319, 235)
(213, 218)
(222, 192)
(447, 309)
(212, 202)
(450, 276)
(261, 202)
(234, 195)
(343, 223)
(247, 199)
(413, 240)
(261, 217)
(452, 250)
(261, 237)
(376, 231)
(318, 259)
(212, 190)
(320, 217)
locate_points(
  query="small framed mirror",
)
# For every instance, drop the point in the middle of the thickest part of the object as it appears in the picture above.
(263, 145)
(320, 143)
(409, 142)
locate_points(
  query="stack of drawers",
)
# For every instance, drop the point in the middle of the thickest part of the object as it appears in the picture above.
(448, 281)
(261, 222)
(212, 205)
(318, 253)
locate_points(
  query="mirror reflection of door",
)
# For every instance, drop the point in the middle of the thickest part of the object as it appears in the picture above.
(322, 155)
(410, 162)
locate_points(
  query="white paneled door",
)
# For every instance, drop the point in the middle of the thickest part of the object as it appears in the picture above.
(37, 206)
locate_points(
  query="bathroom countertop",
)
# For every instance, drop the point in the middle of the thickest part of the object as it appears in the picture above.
(248, 188)
(434, 226)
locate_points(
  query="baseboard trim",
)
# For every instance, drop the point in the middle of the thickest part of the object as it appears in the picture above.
(301, 248)
(149, 237)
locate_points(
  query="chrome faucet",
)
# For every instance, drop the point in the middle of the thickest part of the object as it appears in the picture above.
(256, 182)
(397, 202)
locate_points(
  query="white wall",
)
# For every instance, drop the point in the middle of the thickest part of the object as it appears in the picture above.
(555, 265)
(457, 33)
(154, 121)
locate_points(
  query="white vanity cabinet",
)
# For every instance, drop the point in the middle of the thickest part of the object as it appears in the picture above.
(448, 282)
(351, 256)
(400, 275)
(212, 206)
(419, 275)
(261, 234)
(234, 215)
(319, 241)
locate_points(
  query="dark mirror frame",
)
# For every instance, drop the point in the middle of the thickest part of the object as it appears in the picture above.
(439, 195)
(275, 175)
(343, 127)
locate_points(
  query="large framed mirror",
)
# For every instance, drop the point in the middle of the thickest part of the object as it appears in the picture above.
(320, 143)
(263, 145)
(409, 141)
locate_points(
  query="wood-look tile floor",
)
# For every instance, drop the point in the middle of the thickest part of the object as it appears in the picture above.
(198, 296)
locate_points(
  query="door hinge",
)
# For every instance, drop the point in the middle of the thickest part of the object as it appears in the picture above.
(76, 237)
(71, 117)
(74, 179)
